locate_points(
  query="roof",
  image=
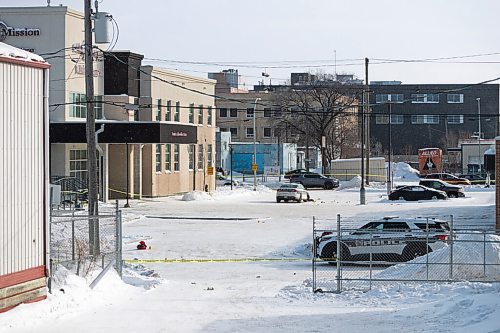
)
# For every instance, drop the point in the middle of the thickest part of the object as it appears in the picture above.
(12, 54)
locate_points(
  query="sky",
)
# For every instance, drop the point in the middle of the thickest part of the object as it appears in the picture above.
(274, 295)
(279, 37)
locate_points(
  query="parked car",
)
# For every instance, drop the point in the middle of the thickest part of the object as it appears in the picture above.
(225, 181)
(292, 191)
(295, 172)
(477, 179)
(310, 180)
(388, 239)
(416, 192)
(448, 177)
(453, 191)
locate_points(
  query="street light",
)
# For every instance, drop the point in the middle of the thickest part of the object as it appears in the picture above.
(254, 164)
(479, 134)
(389, 183)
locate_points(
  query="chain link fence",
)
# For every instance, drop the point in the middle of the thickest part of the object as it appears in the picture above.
(346, 257)
(83, 244)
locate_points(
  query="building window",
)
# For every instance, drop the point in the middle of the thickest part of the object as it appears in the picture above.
(249, 132)
(425, 119)
(191, 113)
(177, 111)
(78, 164)
(191, 157)
(209, 155)
(209, 116)
(455, 119)
(136, 112)
(158, 158)
(396, 119)
(224, 129)
(384, 98)
(425, 98)
(176, 157)
(234, 132)
(168, 156)
(455, 98)
(267, 132)
(168, 111)
(268, 112)
(78, 106)
(200, 114)
(381, 119)
(200, 157)
(250, 112)
(158, 110)
(277, 113)
(233, 113)
(223, 112)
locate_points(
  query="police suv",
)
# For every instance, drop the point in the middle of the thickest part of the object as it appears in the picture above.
(387, 240)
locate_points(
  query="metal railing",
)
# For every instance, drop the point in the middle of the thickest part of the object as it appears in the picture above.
(78, 246)
(468, 253)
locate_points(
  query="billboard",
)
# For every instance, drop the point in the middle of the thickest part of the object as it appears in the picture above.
(430, 160)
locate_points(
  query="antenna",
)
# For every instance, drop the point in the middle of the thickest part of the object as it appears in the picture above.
(335, 63)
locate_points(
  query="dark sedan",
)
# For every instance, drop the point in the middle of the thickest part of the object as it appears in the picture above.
(416, 192)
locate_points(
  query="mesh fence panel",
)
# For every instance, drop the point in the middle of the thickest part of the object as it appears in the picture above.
(81, 244)
(417, 255)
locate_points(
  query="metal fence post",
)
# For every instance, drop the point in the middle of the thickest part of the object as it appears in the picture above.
(427, 248)
(339, 272)
(452, 235)
(484, 252)
(118, 239)
(314, 254)
(371, 258)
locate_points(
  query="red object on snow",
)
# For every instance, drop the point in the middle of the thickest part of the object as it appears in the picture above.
(142, 245)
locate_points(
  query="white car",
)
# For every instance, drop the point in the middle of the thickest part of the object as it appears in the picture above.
(292, 191)
(388, 239)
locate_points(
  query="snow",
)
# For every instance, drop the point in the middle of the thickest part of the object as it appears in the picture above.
(244, 295)
(13, 52)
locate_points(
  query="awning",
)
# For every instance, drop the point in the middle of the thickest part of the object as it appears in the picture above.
(124, 132)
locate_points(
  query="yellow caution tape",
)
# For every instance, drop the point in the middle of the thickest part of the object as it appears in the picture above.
(143, 261)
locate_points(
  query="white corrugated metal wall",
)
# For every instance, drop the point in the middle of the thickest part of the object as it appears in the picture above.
(21, 168)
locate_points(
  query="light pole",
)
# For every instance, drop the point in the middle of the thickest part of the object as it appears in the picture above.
(254, 164)
(389, 183)
(479, 134)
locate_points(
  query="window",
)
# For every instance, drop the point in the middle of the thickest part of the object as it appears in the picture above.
(396, 119)
(381, 119)
(191, 113)
(158, 158)
(209, 155)
(136, 112)
(233, 113)
(224, 129)
(200, 157)
(200, 115)
(177, 111)
(168, 166)
(176, 157)
(425, 98)
(78, 164)
(223, 112)
(191, 157)
(277, 113)
(455, 98)
(383, 98)
(249, 132)
(234, 132)
(209, 116)
(168, 111)
(268, 112)
(425, 119)
(158, 110)
(250, 112)
(455, 119)
(78, 106)
(267, 132)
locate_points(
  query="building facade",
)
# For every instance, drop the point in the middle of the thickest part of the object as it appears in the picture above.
(430, 115)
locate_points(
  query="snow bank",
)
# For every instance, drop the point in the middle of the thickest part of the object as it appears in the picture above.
(469, 254)
(353, 183)
(224, 192)
(404, 171)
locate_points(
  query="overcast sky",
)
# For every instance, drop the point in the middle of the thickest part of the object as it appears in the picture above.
(308, 33)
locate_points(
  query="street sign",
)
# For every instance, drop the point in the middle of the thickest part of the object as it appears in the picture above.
(254, 167)
(210, 170)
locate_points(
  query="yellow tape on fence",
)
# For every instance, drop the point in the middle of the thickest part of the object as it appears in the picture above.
(144, 261)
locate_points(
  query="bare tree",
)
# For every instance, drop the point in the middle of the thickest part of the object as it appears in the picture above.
(320, 109)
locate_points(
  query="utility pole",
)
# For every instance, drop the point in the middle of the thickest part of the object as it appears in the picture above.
(367, 123)
(93, 207)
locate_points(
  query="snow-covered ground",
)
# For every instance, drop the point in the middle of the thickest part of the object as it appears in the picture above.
(258, 296)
